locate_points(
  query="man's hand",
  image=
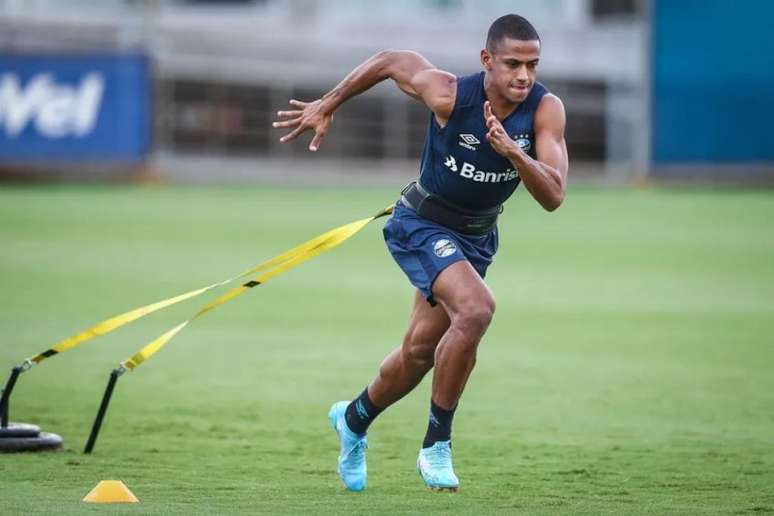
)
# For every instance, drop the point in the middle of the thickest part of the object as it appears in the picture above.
(309, 115)
(497, 137)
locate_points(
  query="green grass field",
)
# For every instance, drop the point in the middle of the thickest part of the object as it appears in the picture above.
(628, 369)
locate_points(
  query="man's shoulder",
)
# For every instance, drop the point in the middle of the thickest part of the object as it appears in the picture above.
(468, 87)
(543, 99)
(472, 77)
(540, 90)
(550, 113)
(550, 103)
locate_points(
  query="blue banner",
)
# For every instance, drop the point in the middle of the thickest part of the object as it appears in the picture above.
(75, 107)
(713, 82)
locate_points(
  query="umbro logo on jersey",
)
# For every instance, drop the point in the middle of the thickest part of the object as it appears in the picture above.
(469, 171)
(468, 141)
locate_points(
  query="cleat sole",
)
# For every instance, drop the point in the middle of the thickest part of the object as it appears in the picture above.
(443, 489)
(437, 489)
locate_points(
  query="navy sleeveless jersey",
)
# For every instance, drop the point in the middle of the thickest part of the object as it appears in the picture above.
(459, 164)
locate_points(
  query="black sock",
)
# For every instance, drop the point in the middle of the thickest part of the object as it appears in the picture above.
(439, 426)
(361, 413)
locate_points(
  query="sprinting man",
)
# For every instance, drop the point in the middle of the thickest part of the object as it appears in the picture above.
(488, 133)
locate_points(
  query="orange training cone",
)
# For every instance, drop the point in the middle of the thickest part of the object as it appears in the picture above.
(111, 491)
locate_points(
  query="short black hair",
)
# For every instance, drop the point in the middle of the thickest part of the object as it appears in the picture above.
(510, 26)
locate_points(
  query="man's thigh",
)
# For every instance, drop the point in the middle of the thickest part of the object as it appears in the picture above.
(459, 286)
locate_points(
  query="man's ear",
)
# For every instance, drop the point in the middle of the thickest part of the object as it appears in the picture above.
(486, 60)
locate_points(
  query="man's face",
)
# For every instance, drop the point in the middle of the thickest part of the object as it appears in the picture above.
(512, 67)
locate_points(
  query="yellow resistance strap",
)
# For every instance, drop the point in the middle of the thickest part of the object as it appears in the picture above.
(273, 267)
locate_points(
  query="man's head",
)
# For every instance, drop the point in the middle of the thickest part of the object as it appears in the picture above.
(511, 57)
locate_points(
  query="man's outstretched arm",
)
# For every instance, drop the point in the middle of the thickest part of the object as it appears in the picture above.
(412, 73)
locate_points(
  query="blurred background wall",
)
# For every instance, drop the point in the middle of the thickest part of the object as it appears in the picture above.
(186, 90)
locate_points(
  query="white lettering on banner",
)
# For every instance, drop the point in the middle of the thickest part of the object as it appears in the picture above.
(58, 110)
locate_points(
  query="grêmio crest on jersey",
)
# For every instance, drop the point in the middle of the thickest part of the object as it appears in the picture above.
(459, 164)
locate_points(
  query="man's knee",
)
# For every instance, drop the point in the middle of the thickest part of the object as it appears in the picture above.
(420, 357)
(473, 317)
(419, 346)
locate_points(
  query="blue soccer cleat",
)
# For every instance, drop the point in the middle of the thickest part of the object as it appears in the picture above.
(435, 466)
(352, 462)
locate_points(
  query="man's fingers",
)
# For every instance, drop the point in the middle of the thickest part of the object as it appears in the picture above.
(491, 121)
(315, 144)
(300, 121)
(287, 123)
(494, 133)
(285, 114)
(291, 135)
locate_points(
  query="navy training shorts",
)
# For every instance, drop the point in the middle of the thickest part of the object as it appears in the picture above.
(423, 248)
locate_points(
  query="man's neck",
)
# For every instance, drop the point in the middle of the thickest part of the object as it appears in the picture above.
(501, 107)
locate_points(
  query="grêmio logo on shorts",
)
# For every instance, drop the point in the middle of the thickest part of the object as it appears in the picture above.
(444, 247)
(469, 171)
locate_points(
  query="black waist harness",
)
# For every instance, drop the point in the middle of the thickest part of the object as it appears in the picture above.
(441, 211)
